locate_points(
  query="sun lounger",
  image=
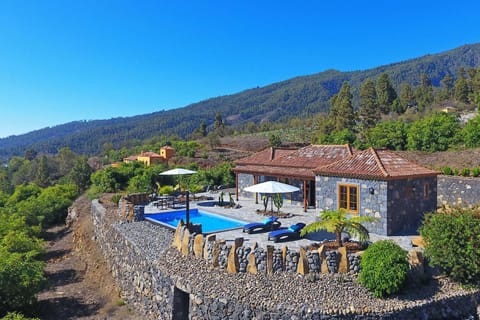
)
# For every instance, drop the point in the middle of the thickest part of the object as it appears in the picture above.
(293, 232)
(269, 224)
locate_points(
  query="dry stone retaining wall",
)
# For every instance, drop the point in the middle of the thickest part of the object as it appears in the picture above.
(162, 289)
(462, 191)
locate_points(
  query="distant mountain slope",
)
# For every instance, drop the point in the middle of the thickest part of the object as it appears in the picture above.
(300, 96)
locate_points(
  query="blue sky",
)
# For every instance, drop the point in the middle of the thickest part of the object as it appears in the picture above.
(69, 60)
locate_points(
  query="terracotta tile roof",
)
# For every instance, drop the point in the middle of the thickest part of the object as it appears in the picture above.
(131, 158)
(167, 147)
(313, 156)
(301, 173)
(374, 164)
(266, 156)
(149, 154)
(292, 162)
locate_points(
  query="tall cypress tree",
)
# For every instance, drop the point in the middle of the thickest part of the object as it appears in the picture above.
(369, 112)
(386, 94)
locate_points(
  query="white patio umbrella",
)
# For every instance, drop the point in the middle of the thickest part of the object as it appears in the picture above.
(271, 187)
(179, 172)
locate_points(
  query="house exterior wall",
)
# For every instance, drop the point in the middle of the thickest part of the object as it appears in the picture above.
(374, 205)
(167, 153)
(408, 202)
(246, 180)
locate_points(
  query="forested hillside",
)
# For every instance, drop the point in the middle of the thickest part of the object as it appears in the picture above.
(298, 97)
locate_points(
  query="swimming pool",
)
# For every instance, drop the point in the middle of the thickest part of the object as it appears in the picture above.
(210, 222)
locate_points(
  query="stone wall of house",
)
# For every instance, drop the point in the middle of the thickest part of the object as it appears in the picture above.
(408, 201)
(372, 204)
(161, 285)
(464, 191)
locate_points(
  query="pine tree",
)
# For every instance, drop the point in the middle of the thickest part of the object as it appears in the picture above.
(341, 112)
(369, 112)
(424, 93)
(447, 88)
(461, 88)
(407, 97)
(42, 174)
(218, 125)
(386, 94)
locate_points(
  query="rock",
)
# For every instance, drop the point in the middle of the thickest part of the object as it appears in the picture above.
(185, 242)
(302, 267)
(198, 245)
(343, 263)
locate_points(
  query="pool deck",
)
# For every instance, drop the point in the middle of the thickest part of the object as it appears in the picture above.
(247, 212)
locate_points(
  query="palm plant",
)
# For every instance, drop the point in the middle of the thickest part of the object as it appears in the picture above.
(337, 221)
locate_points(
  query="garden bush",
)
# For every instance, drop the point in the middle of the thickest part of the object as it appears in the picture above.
(383, 268)
(452, 242)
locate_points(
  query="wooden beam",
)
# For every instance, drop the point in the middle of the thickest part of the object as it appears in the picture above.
(305, 194)
(255, 181)
(236, 186)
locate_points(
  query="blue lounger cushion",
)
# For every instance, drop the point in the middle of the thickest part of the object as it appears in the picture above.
(271, 223)
(292, 232)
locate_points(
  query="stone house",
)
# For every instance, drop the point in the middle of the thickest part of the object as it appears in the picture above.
(291, 166)
(382, 184)
(372, 182)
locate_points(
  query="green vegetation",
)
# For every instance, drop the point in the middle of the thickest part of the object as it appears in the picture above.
(136, 177)
(339, 221)
(278, 201)
(452, 242)
(35, 194)
(383, 268)
(261, 109)
(16, 316)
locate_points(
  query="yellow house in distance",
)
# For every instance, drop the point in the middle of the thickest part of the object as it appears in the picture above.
(449, 110)
(151, 158)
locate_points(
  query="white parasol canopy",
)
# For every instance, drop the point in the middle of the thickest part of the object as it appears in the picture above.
(177, 171)
(271, 187)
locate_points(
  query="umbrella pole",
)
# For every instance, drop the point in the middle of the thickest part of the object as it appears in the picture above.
(187, 211)
(271, 200)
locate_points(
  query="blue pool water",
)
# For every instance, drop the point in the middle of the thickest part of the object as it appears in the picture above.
(210, 222)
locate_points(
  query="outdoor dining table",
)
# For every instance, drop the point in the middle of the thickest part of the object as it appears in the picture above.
(164, 202)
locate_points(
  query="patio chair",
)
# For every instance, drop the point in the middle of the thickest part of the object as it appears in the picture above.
(269, 224)
(293, 232)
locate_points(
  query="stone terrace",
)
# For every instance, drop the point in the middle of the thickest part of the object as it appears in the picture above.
(247, 212)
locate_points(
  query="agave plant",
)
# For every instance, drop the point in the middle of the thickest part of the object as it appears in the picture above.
(337, 221)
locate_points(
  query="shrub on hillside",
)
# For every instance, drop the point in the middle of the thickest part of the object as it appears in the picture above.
(465, 172)
(384, 267)
(452, 242)
(476, 171)
(447, 171)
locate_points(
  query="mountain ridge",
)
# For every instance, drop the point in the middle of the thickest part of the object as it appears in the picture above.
(300, 96)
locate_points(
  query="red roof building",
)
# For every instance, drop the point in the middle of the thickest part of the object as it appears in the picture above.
(373, 182)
